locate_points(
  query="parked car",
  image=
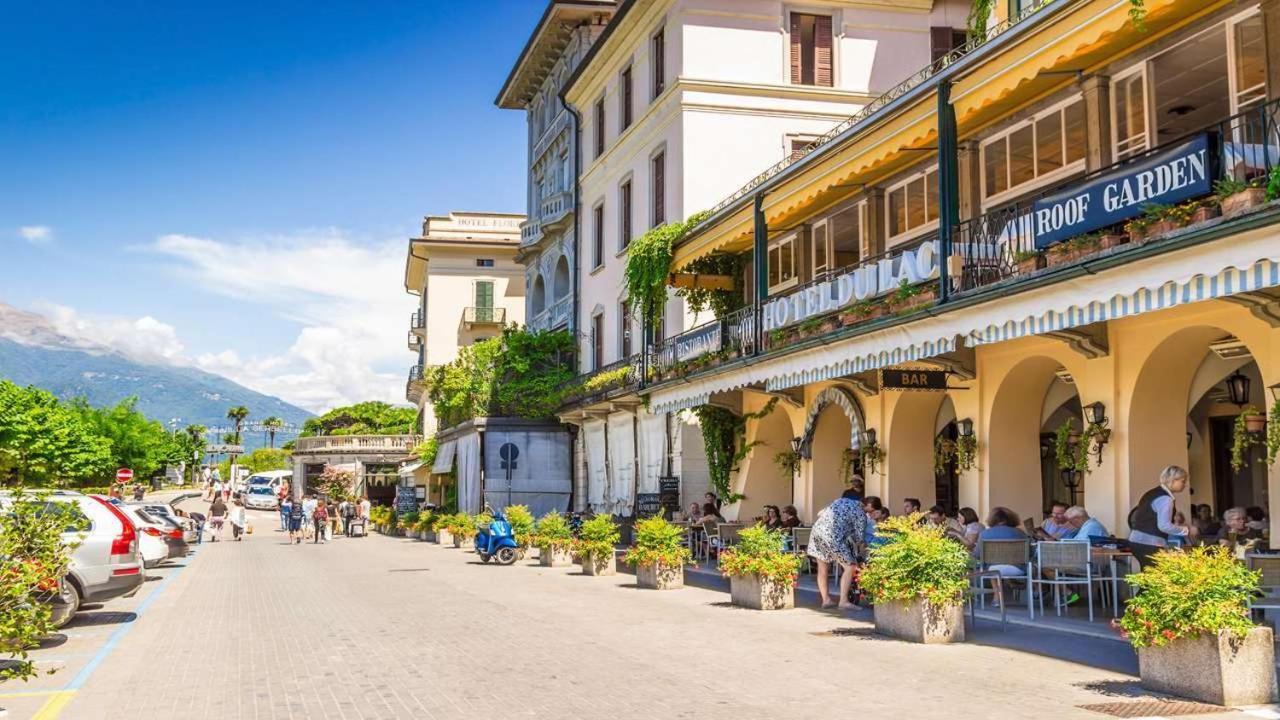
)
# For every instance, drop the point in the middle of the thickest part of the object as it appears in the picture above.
(105, 564)
(175, 535)
(270, 478)
(63, 602)
(190, 532)
(261, 497)
(151, 535)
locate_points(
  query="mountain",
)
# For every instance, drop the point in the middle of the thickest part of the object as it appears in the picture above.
(33, 352)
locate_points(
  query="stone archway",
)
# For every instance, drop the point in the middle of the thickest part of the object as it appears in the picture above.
(763, 482)
(538, 295)
(560, 281)
(848, 405)
(912, 428)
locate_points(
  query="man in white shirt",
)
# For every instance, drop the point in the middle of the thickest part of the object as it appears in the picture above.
(365, 507)
(308, 509)
(1083, 527)
(1056, 526)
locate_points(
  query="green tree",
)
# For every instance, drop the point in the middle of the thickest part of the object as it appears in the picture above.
(45, 442)
(366, 418)
(272, 426)
(137, 442)
(237, 416)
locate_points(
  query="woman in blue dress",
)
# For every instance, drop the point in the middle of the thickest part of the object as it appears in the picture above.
(837, 533)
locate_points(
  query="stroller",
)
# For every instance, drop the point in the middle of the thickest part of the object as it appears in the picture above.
(358, 528)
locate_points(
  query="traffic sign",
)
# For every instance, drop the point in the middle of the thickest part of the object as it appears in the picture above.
(124, 475)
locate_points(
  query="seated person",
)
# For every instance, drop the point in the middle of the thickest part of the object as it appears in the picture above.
(694, 513)
(1257, 518)
(710, 514)
(772, 517)
(1003, 525)
(1083, 527)
(790, 519)
(1205, 521)
(910, 505)
(1056, 526)
(937, 517)
(970, 528)
(1236, 533)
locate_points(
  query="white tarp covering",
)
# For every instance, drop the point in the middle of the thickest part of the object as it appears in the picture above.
(444, 458)
(597, 475)
(622, 463)
(410, 469)
(652, 453)
(527, 467)
(468, 450)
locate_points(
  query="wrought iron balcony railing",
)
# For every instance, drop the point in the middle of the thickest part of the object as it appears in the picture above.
(483, 316)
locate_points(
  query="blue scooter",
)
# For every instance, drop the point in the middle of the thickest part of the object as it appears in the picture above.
(497, 541)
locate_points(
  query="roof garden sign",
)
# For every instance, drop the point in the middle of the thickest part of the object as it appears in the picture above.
(1177, 174)
(869, 280)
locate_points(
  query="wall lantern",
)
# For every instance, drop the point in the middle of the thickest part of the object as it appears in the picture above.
(869, 438)
(1071, 481)
(797, 445)
(965, 427)
(1096, 413)
(1238, 388)
(1275, 392)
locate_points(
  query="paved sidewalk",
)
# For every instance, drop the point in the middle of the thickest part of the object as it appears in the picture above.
(394, 628)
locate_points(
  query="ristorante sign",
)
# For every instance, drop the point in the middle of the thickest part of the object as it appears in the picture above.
(866, 281)
(1169, 177)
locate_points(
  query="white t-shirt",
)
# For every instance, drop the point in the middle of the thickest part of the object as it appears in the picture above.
(365, 507)
(308, 507)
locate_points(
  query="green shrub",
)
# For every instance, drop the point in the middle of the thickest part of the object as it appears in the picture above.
(1188, 594)
(919, 563)
(554, 532)
(760, 551)
(658, 542)
(597, 538)
(521, 524)
(460, 525)
(409, 520)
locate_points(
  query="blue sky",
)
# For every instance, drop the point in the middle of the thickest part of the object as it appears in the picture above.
(175, 177)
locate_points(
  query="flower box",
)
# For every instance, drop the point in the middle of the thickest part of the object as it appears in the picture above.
(598, 565)
(1111, 240)
(457, 541)
(1220, 669)
(927, 297)
(1026, 266)
(1162, 227)
(656, 576)
(918, 621)
(1205, 213)
(1243, 200)
(1065, 256)
(554, 557)
(761, 593)
(431, 536)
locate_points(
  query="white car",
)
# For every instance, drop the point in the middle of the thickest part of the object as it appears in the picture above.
(150, 535)
(270, 478)
(260, 497)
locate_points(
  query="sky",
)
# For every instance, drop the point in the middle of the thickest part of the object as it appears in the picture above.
(232, 185)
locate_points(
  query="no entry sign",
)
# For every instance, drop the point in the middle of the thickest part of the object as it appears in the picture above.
(124, 475)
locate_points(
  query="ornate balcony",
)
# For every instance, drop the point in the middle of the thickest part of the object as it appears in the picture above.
(418, 324)
(472, 316)
(414, 387)
(415, 342)
(530, 232)
(358, 444)
(556, 211)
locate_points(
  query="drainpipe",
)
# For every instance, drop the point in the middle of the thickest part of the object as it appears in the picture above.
(575, 430)
(948, 187)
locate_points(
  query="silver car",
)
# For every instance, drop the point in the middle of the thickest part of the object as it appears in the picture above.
(166, 511)
(106, 564)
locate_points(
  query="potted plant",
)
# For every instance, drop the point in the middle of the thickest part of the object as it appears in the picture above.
(444, 529)
(1236, 196)
(917, 581)
(554, 540)
(461, 527)
(1138, 228)
(1028, 261)
(409, 523)
(1249, 423)
(966, 452)
(427, 525)
(830, 323)
(1165, 219)
(595, 545)
(1191, 627)
(659, 554)
(944, 450)
(872, 458)
(1204, 210)
(1109, 240)
(762, 574)
(909, 297)
(1273, 434)
(522, 525)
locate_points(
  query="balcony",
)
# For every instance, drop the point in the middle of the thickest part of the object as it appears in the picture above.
(415, 342)
(554, 317)
(530, 232)
(549, 134)
(556, 211)
(418, 324)
(357, 444)
(473, 316)
(621, 375)
(415, 386)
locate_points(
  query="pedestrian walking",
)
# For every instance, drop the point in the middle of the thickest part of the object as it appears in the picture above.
(295, 521)
(217, 514)
(838, 532)
(320, 516)
(346, 510)
(333, 521)
(308, 511)
(238, 522)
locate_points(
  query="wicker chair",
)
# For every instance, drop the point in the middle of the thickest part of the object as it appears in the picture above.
(800, 544)
(725, 535)
(1069, 561)
(1016, 553)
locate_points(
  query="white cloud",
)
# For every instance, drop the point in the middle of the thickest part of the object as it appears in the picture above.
(36, 234)
(145, 338)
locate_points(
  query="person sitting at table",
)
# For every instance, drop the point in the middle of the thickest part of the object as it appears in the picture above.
(710, 513)
(713, 499)
(970, 529)
(1236, 533)
(694, 513)
(871, 503)
(790, 517)
(1205, 521)
(1151, 520)
(1257, 518)
(1055, 526)
(1003, 525)
(910, 505)
(1083, 527)
(937, 517)
(772, 517)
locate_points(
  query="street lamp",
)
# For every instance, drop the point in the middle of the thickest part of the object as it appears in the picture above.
(869, 437)
(1238, 388)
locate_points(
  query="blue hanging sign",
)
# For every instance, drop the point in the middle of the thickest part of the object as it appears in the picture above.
(1169, 177)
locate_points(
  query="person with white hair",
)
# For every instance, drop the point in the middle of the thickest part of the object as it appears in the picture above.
(1151, 521)
(1082, 526)
(1236, 533)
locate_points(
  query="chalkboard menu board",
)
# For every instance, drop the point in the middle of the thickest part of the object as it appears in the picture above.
(648, 504)
(406, 499)
(669, 493)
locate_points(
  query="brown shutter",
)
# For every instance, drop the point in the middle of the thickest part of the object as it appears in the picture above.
(797, 52)
(940, 39)
(821, 51)
(659, 189)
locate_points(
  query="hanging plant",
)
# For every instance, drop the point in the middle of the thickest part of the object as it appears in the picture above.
(788, 461)
(1273, 434)
(722, 303)
(724, 436)
(1071, 447)
(1242, 439)
(966, 452)
(872, 459)
(979, 16)
(649, 264)
(848, 461)
(1138, 14)
(944, 450)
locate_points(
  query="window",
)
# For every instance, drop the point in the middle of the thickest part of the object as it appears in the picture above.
(624, 214)
(913, 204)
(1050, 143)
(624, 330)
(484, 301)
(484, 262)
(800, 147)
(811, 49)
(624, 97)
(821, 252)
(658, 167)
(1251, 61)
(782, 264)
(597, 236)
(599, 127)
(597, 341)
(658, 64)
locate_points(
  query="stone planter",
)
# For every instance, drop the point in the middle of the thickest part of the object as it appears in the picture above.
(919, 622)
(457, 541)
(430, 536)
(757, 593)
(1064, 257)
(1217, 669)
(550, 557)
(596, 565)
(443, 537)
(660, 577)
(1163, 227)
(1243, 200)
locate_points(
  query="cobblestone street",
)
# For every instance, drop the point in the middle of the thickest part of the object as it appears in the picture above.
(394, 628)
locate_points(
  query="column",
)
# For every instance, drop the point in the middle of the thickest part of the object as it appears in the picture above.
(970, 180)
(1097, 133)
(873, 235)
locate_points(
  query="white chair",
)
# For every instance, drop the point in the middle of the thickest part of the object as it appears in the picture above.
(1070, 564)
(1013, 553)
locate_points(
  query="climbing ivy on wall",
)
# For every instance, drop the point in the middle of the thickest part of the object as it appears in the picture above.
(724, 436)
(649, 264)
(720, 302)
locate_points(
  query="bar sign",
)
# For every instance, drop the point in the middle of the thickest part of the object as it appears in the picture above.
(904, 379)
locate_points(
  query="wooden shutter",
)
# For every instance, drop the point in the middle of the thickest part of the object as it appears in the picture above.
(822, 51)
(940, 42)
(659, 189)
(797, 50)
(659, 63)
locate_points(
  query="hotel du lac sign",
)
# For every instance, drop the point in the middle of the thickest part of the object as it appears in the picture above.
(1177, 174)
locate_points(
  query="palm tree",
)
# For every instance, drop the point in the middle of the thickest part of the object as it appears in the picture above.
(272, 425)
(237, 415)
(196, 433)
